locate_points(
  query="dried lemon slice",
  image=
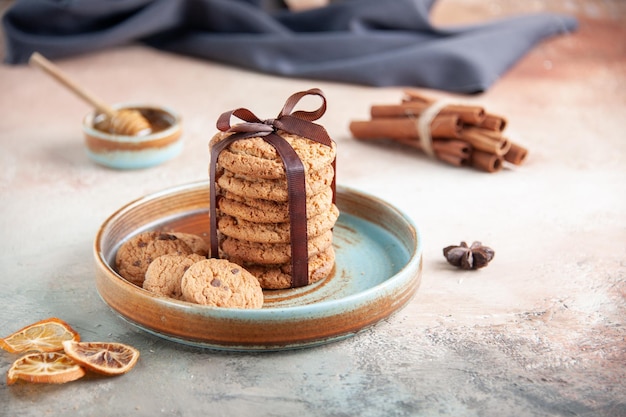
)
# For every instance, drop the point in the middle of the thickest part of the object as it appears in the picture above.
(45, 367)
(44, 336)
(102, 357)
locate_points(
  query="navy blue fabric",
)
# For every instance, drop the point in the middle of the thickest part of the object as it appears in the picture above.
(370, 42)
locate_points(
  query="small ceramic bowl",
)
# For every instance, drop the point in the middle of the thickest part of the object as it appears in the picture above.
(134, 152)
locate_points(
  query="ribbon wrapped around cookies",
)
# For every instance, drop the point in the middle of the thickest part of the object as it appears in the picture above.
(292, 122)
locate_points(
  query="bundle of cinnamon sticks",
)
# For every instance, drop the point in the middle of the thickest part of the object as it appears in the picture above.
(458, 134)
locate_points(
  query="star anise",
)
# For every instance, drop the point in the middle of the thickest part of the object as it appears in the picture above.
(472, 257)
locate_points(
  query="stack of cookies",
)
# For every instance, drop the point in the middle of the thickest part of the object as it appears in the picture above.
(253, 220)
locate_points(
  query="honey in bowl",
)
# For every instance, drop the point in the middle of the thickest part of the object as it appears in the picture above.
(157, 119)
(155, 146)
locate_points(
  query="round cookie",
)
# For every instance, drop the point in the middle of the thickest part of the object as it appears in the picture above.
(135, 255)
(164, 274)
(276, 277)
(267, 211)
(257, 158)
(221, 283)
(275, 232)
(197, 244)
(275, 190)
(268, 253)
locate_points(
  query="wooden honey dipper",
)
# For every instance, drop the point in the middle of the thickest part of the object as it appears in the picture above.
(126, 122)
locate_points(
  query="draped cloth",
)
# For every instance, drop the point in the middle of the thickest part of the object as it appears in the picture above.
(367, 42)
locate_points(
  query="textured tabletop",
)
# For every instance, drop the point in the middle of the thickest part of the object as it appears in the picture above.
(540, 331)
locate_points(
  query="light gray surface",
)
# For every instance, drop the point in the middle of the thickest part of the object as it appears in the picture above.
(538, 332)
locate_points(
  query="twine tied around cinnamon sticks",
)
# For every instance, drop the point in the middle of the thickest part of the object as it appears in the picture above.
(458, 134)
(295, 122)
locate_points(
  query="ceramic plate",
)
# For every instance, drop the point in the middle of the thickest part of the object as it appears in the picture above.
(377, 272)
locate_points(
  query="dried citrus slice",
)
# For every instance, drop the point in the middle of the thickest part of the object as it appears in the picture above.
(44, 336)
(45, 367)
(103, 357)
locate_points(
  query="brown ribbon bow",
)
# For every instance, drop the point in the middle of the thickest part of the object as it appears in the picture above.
(297, 123)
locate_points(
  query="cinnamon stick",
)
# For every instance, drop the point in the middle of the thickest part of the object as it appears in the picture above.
(492, 134)
(485, 142)
(486, 161)
(449, 146)
(453, 159)
(414, 95)
(403, 128)
(468, 114)
(493, 122)
(452, 151)
(516, 154)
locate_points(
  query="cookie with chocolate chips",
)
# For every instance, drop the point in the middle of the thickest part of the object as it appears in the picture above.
(275, 277)
(271, 253)
(275, 232)
(274, 190)
(165, 273)
(196, 242)
(257, 158)
(221, 283)
(137, 253)
(267, 211)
